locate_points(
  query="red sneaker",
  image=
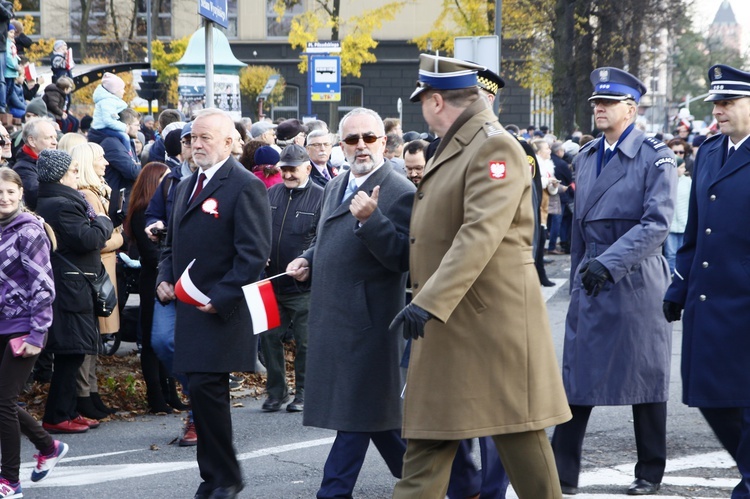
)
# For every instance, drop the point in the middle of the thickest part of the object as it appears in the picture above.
(91, 423)
(65, 427)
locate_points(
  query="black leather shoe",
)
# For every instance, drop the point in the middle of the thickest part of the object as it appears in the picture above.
(273, 405)
(641, 487)
(297, 405)
(226, 492)
(568, 490)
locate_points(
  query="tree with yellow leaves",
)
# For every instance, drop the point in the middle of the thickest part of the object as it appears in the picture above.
(526, 25)
(356, 45)
(252, 81)
(163, 61)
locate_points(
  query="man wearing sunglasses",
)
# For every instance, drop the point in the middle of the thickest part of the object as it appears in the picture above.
(358, 265)
(482, 361)
(618, 346)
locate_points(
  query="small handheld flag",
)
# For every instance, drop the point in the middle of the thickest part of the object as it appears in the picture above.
(261, 301)
(187, 292)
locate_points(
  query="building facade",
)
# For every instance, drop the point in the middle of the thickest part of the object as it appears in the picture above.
(257, 36)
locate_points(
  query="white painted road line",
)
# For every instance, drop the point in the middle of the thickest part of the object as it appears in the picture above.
(622, 475)
(76, 476)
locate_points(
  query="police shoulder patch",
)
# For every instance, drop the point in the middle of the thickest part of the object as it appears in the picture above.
(491, 129)
(655, 143)
(667, 160)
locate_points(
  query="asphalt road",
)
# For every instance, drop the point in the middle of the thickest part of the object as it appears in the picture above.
(282, 459)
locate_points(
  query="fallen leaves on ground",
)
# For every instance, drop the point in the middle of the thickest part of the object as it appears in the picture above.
(121, 386)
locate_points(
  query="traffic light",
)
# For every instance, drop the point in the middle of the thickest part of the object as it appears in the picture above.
(150, 88)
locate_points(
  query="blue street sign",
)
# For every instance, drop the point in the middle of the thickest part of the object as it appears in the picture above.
(326, 78)
(214, 10)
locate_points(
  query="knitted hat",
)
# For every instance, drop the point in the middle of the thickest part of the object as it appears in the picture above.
(37, 107)
(113, 83)
(11, 27)
(58, 44)
(266, 155)
(86, 122)
(172, 143)
(52, 165)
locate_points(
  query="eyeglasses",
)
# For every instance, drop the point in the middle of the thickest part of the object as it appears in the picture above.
(367, 138)
(186, 142)
(681, 153)
(323, 145)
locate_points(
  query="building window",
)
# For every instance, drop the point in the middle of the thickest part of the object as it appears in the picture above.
(289, 106)
(351, 96)
(231, 31)
(31, 8)
(97, 24)
(162, 27)
(280, 29)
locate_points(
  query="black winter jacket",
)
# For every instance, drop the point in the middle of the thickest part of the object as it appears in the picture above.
(295, 214)
(79, 239)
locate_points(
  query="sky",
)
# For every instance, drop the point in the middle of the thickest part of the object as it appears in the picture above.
(704, 12)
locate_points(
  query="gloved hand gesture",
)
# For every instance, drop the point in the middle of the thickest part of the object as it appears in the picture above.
(413, 319)
(672, 311)
(594, 276)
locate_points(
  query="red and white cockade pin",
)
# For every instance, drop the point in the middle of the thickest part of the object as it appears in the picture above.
(211, 206)
(497, 169)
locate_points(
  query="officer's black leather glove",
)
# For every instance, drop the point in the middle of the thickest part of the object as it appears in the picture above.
(413, 319)
(594, 276)
(672, 311)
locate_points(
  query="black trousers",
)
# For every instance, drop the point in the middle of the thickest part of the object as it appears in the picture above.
(732, 427)
(14, 420)
(650, 425)
(217, 459)
(62, 398)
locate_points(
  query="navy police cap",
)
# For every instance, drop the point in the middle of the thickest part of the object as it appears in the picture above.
(444, 73)
(616, 84)
(727, 83)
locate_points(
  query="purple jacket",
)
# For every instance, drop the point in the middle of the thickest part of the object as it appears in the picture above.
(27, 288)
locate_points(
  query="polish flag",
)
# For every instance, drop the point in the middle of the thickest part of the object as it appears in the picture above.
(187, 292)
(261, 301)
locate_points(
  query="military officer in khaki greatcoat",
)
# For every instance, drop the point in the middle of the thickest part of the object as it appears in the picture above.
(485, 365)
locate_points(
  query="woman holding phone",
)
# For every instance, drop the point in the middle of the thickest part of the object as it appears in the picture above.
(26, 294)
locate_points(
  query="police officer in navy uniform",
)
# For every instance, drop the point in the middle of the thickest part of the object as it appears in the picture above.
(712, 281)
(617, 345)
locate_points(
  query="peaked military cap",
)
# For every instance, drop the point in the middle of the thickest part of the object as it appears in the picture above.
(444, 73)
(727, 83)
(489, 81)
(616, 84)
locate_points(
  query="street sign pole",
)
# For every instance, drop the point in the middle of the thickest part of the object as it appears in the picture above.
(209, 63)
(212, 11)
(310, 59)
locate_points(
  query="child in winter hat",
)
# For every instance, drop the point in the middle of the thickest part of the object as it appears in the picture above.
(107, 106)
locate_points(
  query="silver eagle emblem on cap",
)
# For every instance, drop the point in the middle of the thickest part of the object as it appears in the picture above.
(604, 75)
(717, 73)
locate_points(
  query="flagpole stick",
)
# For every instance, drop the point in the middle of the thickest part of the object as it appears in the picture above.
(279, 275)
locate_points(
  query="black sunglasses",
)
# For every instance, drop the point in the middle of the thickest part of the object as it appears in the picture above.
(367, 138)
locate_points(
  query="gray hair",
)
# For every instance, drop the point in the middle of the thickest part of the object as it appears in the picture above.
(556, 147)
(317, 133)
(358, 111)
(31, 128)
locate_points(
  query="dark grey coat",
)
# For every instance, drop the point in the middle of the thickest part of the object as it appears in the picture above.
(230, 251)
(353, 380)
(617, 344)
